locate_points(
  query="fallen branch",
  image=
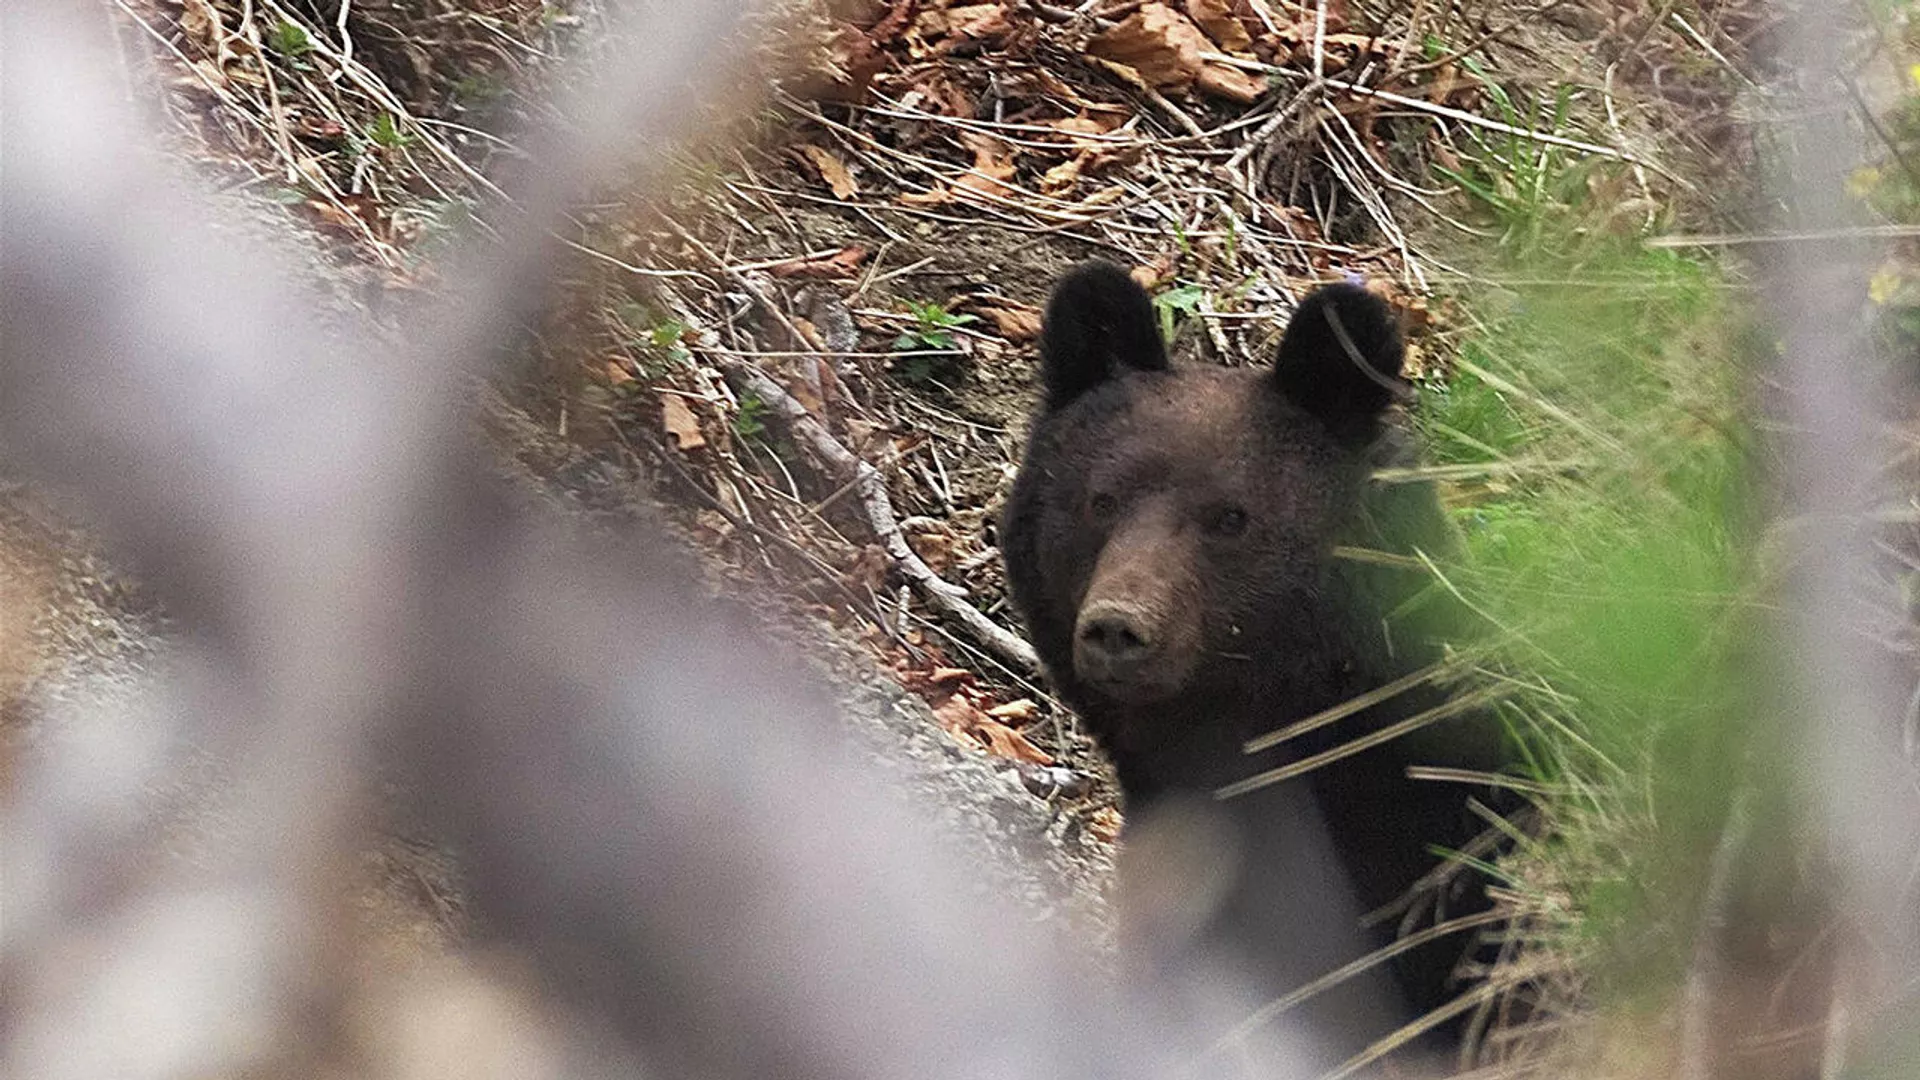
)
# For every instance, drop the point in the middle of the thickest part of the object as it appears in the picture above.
(944, 597)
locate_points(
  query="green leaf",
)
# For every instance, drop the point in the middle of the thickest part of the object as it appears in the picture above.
(385, 131)
(289, 39)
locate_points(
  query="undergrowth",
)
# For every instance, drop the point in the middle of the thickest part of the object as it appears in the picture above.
(1590, 437)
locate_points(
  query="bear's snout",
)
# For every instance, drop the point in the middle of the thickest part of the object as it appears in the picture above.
(1122, 648)
(1114, 639)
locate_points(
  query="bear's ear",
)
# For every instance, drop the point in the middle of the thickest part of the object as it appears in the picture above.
(1099, 324)
(1340, 360)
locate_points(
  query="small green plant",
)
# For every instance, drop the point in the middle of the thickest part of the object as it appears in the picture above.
(385, 132)
(289, 39)
(480, 90)
(657, 341)
(933, 352)
(749, 422)
(1175, 304)
(932, 328)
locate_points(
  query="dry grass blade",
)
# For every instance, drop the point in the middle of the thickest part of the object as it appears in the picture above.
(1461, 704)
(1361, 702)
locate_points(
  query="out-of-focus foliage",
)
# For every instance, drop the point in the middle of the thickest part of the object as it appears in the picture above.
(1590, 435)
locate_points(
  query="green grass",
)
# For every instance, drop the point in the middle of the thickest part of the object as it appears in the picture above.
(1610, 542)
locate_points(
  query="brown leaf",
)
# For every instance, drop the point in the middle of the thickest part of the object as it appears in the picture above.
(870, 568)
(934, 548)
(806, 390)
(958, 716)
(1023, 711)
(617, 372)
(1062, 177)
(1216, 17)
(964, 720)
(809, 334)
(207, 78)
(844, 263)
(1153, 275)
(1008, 743)
(939, 196)
(200, 23)
(335, 218)
(678, 418)
(981, 22)
(887, 30)
(1081, 126)
(992, 163)
(1164, 47)
(831, 169)
(1016, 322)
(844, 69)
(967, 22)
(1054, 87)
(942, 676)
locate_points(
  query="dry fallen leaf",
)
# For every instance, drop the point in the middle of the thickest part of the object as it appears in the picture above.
(1022, 711)
(934, 548)
(941, 676)
(831, 169)
(960, 718)
(805, 388)
(992, 163)
(981, 22)
(870, 568)
(1062, 177)
(1084, 125)
(200, 23)
(678, 418)
(934, 197)
(1164, 47)
(1216, 17)
(1008, 743)
(1016, 322)
(957, 715)
(336, 218)
(1153, 275)
(207, 78)
(809, 334)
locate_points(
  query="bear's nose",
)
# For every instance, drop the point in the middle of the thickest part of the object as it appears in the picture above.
(1112, 643)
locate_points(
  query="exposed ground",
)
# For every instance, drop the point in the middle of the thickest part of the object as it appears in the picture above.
(868, 254)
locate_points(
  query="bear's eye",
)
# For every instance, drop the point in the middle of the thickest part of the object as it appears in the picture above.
(1103, 505)
(1228, 521)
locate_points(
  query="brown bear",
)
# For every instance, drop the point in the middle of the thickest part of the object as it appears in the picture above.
(1171, 543)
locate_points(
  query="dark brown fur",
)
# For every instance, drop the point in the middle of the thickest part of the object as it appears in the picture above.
(1169, 542)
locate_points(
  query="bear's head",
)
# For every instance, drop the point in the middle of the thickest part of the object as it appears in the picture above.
(1171, 531)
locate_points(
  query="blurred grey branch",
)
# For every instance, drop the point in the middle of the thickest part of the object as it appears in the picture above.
(1864, 792)
(651, 806)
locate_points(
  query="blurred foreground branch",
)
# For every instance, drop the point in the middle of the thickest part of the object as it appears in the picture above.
(649, 810)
